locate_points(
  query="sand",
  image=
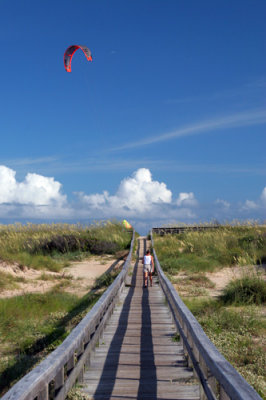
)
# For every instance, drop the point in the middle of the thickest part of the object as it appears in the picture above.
(78, 278)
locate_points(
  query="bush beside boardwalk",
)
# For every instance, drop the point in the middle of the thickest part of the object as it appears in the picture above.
(235, 320)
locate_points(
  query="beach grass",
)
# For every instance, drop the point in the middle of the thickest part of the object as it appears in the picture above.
(210, 250)
(34, 324)
(52, 247)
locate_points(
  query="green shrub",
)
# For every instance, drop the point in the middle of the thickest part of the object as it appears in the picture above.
(246, 290)
(189, 262)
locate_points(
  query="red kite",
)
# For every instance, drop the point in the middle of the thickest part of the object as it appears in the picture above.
(70, 52)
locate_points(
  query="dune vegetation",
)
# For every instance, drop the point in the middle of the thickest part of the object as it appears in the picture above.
(51, 247)
(233, 318)
(202, 251)
(34, 324)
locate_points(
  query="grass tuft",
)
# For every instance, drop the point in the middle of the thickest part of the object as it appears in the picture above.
(9, 282)
(250, 289)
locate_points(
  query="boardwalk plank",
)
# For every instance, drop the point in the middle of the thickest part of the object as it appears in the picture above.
(162, 373)
(170, 348)
(131, 388)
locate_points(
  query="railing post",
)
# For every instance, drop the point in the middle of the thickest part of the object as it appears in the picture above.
(88, 361)
(80, 351)
(212, 383)
(197, 357)
(44, 394)
(202, 393)
(181, 337)
(81, 375)
(70, 364)
(204, 370)
(190, 342)
(185, 348)
(59, 379)
(223, 395)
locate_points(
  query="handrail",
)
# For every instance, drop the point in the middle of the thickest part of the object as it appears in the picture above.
(59, 371)
(181, 229)
(218, 378)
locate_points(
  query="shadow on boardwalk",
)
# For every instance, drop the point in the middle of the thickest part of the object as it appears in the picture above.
(147, 365)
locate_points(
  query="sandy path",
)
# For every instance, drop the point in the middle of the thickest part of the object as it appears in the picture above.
(222, 277)
(219, 279)
(77, 278)
(86, 272)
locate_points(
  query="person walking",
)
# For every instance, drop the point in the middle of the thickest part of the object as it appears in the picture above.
(148, 268)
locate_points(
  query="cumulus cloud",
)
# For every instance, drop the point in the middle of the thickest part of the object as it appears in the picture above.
(263, 196)
(35, 190)
(259, 204)
(138, 197)
(223, 203)
(186, 200)
(136, 194)
(250, 205)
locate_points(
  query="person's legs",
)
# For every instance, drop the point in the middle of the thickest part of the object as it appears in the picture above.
(150, 275)
(145, 278)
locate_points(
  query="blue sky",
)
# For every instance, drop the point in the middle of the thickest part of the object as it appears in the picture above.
(171, 112)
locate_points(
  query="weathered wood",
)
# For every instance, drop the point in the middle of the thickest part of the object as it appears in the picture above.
(59, 379)
(223, 395)
(44, 393)
(136, 355)
(129, 349)
(180, 229)
(129, 387)
(163, 373)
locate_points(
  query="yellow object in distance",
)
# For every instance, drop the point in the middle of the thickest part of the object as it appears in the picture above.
(127, 224)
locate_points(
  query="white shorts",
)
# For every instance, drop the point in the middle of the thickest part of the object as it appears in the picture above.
(147, 268)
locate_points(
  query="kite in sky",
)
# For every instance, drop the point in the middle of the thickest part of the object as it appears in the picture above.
(70, 52)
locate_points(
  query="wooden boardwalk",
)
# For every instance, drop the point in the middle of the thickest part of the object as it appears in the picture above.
(137, 357)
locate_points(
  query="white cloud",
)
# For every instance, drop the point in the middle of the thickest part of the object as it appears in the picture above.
(186, 200)
(259, 204)
(36, 189)
(263, 196)
(250, 205)
(138, 197)
(223, 203)
(246, 118)
(136, 194)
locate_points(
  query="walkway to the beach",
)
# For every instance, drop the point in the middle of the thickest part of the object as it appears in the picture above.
(137, 357)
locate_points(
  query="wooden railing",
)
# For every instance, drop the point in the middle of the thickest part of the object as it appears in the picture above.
(218, 378)
(55, 376)
(180, 229)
